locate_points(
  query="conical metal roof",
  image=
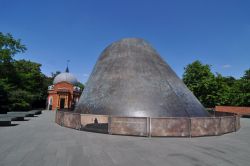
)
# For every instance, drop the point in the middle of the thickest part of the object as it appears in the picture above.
(131, 79)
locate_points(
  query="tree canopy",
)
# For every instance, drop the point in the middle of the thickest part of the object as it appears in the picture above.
(214, 89)
(22, 84)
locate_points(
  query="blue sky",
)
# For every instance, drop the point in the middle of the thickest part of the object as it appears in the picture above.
(216, 32)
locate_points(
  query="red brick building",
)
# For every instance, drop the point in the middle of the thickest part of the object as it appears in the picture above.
(233, 109)
(64, 93)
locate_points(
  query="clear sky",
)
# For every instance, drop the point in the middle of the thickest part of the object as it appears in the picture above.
(216, 32)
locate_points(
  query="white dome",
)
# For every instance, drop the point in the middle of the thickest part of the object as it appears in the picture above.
(65, 77)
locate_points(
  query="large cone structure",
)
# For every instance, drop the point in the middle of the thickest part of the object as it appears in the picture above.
(131, 79)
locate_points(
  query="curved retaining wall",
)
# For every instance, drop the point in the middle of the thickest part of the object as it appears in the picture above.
(218, 124)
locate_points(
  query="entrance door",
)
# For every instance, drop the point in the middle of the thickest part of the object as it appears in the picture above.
(62, 102)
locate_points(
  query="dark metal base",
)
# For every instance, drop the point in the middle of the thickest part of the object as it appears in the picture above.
(218, 124)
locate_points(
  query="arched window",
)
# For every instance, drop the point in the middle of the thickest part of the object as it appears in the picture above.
(50, 101)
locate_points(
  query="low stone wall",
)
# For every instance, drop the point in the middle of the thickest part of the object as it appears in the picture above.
(96, 123)
(237, 123)
(172, 127)
(128, 126)
(218, 124)
(92, 119)
(227, 124)
(72, 120)
(59, 117)
(68, 119)
(205, 126)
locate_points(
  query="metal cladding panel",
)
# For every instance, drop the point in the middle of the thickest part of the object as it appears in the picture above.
(237, 122)
(59, 117)
(131, 79)
(128, 126)
(72, 120)
(205, 126)
(173, 127)
(87, 119)
(227, 124)
(95, 123)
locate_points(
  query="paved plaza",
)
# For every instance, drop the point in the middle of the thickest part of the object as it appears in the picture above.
(39, 142)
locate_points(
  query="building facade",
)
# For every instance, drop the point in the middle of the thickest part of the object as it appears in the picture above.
(64, 93)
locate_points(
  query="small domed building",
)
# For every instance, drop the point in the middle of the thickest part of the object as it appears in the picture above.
(64, 93)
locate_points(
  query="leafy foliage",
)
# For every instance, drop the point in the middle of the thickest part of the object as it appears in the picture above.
(53, 75)
(9, 47)
(79, 84)
(22, 85)
(214, 90)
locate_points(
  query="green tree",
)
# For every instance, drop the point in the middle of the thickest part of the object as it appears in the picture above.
(239, 94)
(20, 100)
(22, 84)
(201, 81)
(223, 89)
(241, 89)
(79, 84)
(9, 47)
(214, 90)
(246, 75)
(53, 75)
(4, 89)
(32, 81)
